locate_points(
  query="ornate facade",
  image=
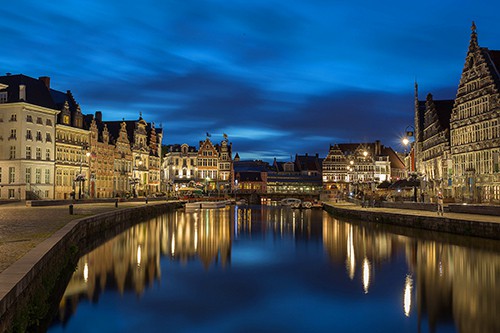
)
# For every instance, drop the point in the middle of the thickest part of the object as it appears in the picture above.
(28, 118)
(475, 127)
(435, 160)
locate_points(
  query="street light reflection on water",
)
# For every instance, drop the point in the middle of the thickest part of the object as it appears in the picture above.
(287, 270)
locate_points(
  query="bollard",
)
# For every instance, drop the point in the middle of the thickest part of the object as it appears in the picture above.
(116, 203)
(70, 209)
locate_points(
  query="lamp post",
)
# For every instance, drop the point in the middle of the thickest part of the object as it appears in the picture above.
(81, 178)
(207, 180)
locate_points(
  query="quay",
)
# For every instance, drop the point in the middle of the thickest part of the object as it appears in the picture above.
(474, 225)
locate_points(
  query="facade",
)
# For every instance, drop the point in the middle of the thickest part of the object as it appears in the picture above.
(354, 167)
(435, 160)
(180, 166)
(226, 176)
(28, 118)
(300, 176)
(208, 164)
(122, 162)
(72, 148)
(475, 127)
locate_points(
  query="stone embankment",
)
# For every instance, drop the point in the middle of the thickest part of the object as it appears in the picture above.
(485, 226)
(26, 286)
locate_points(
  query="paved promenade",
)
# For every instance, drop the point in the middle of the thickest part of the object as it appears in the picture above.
(22, 228)
(457, 216)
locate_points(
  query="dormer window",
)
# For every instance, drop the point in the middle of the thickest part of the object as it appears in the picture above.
(66, 119)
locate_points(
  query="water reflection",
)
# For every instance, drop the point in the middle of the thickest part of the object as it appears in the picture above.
(437, 283)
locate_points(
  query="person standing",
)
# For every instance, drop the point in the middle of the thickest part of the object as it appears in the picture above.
(440, 207)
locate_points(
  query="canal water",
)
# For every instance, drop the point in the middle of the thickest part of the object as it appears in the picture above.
(275, 269)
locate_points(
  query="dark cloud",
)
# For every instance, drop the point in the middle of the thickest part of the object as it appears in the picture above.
(278, 79)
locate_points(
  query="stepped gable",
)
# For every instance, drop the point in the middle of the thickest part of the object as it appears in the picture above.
(37, 92)
(115, 126)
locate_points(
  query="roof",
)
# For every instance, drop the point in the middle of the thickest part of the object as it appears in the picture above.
(37, 93)
(396, 162)
(308, 163)
(443, 110)
(249, 176)
(259, 166)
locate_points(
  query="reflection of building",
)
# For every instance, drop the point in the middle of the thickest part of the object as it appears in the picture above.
(475, 126)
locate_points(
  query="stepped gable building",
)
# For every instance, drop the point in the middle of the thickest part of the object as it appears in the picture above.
(145, 149)
(28, 117)
(475, 126)
(433, 160)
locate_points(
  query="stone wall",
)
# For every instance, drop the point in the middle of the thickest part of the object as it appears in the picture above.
(434, 223)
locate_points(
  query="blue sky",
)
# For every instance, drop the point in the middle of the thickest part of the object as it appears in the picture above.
(279, 77)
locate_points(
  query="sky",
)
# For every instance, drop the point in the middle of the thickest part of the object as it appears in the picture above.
(278, 77)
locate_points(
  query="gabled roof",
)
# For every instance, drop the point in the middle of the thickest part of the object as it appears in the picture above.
(257, 166)
(37, 92)
(308, 163)
(396, 162)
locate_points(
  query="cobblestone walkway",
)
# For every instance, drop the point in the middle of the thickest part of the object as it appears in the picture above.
(22, 228)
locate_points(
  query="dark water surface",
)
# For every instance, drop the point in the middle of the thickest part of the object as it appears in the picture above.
(273, 269)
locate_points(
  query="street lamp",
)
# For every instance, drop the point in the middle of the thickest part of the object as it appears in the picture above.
(81, 177)
(207, 180)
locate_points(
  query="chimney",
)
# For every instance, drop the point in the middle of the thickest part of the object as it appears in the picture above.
(45, 80)
(22, 92)
(98, 116)
(378, 149)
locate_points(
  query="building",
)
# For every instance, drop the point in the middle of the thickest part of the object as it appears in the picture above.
(434, 161)
(352, 167)
(143, 167)
(475, 127)
(180, 166)
(226, 176)
(300, 176)
(72, 147)
(28, 117)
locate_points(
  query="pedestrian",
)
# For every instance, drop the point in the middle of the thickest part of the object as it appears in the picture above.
(440, 208)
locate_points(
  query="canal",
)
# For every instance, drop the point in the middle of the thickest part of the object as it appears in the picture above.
(274, 269)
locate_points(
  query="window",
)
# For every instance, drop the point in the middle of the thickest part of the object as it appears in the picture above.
(13, 134)
(47, 176)
(38, 136)
(28, 135)
(47, 154)
(0, 175)
(38, 176)
(28, 175)
(12, 154)
(3, 97)
(12, 175)
(39, 120)
(29, 119)
(38, 153)
(47, 137)
(66, 119)
(11, 194)
(13, 117)
(48, 122)
(28, 153)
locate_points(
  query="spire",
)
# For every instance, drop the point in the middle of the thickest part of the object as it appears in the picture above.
(473, 38)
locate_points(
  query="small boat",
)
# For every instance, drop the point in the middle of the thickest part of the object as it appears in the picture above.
(241, 202)
(317, 204)
(213, 204)
(291, 202)
(192, 205)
